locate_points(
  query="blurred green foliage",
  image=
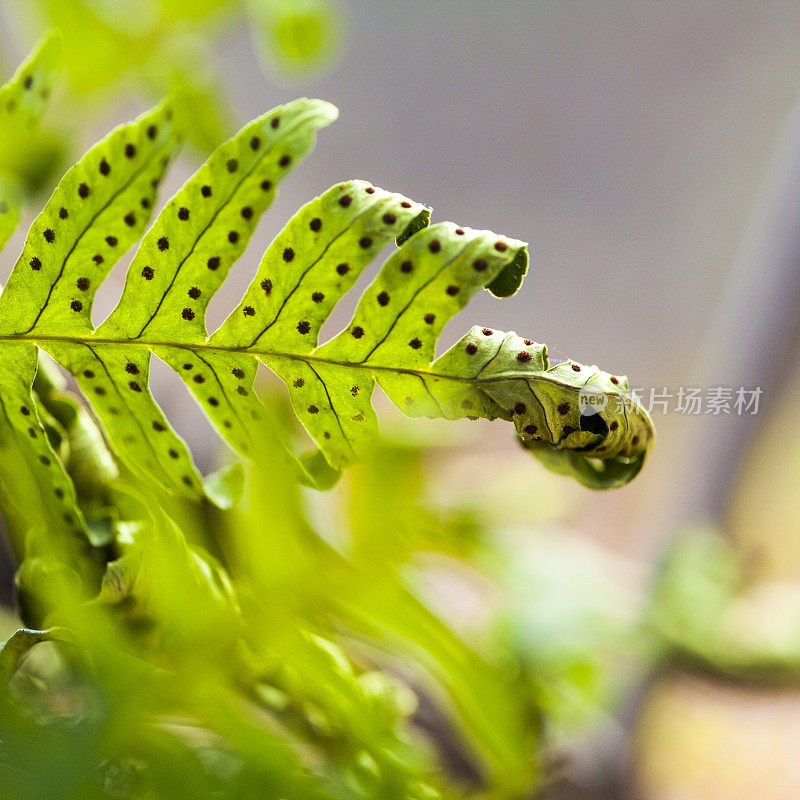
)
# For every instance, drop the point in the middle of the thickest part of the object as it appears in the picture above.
(160, 47)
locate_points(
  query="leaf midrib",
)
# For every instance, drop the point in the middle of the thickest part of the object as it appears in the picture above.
(266, 354)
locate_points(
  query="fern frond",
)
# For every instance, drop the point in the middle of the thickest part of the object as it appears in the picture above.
(312, 263)
(23, 101)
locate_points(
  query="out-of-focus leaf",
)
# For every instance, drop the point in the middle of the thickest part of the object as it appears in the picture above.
(14, 650)
(297, 36)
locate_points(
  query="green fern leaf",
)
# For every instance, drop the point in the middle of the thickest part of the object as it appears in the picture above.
(23, 101)
(85, 227)
(312, 263)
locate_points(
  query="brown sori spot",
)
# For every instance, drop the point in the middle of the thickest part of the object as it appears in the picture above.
(266, 185)
(194, 293)
(435, 246)
(76, 305)
(415, 344)
(151, 132)
(383, 298)
(326, 435)
(303, 327)
(563, 409)
(99, 391)
(44, 460)
(370, 190)
(87, 373)
(523, 356)
(83, 191)
(36, 265)
(98, 259)
(614, 380)
(531, 430)
(134, 387)
(130, 150)
(147, 273)
(129, 219)
(452, 290)
(313, 410)
(274, 122)
(429, 319)
(285, 161)
(232, 165)
(471, 348)
(68, 519)
(111, 241)
(459, 231)
(237, 373)
(212, 401)
(228, 423)
(249, 311)
(288, 254)
(527, 342)
(406, 267)
(318, 297)
(173, 453)
(155, 183)
(32, 433)
(635, 441)
(114, 410)
(187, 314)
(233, 237)
(25, 411)
(205, 190)
(354, 390)
(480, 265)
(145, 203)
(83, 284)
(183, 213)
(299, 383)
(187, 480)
(163, 243)
(501, 247)
(487, 331)
(131, 368)
(49, 236)
(405, 204)
(568, 429)
(266, 285)
(199, 379)
(315, 224)
(246, 212)
(389, 218)
(255, 143)
(59, 493)
(343, 269)
(357, 332)
(520, 408)
(364, 242)
(575, 368)
(613, 426)
(187, 366)
(104, 167)
(241, 390)
(213, 263)
(28, 82)
(63, 213)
